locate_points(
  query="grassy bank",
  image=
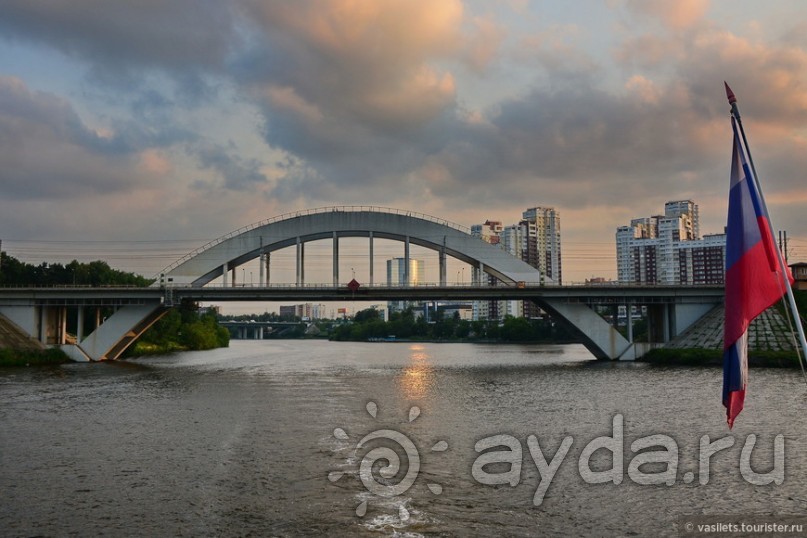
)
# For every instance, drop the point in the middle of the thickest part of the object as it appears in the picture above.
(12, 357)
(714, 357)
(143, 349)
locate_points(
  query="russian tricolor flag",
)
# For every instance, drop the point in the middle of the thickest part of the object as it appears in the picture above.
(754, 280)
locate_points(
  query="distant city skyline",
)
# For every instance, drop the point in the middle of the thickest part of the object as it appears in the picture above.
(132, 139)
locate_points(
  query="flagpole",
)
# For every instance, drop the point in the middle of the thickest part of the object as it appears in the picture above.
(735, 112)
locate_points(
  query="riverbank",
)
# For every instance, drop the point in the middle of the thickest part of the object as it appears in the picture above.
(714, 357)
(32, 357)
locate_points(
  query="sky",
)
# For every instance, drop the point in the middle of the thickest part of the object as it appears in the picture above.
(137, 131)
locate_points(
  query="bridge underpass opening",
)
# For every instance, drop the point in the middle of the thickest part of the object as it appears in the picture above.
(353, 261)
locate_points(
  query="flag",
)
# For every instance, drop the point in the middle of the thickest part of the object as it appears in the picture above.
(754, 280)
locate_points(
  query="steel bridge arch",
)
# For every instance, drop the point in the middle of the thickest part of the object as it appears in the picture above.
(212, 260)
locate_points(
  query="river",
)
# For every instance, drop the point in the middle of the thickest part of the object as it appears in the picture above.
(263, 439)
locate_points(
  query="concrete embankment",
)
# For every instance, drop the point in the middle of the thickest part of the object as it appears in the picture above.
(12, 337)
(768, 332)
(19, 349)
(770, 342)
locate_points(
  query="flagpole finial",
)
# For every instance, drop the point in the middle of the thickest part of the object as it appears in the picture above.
(732, 101)
(730, 94)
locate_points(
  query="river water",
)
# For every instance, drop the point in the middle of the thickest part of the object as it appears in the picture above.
(263, 439)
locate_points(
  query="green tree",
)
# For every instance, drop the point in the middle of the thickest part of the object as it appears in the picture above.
(517, 329)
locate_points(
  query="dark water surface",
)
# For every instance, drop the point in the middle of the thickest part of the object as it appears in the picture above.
(241, 441)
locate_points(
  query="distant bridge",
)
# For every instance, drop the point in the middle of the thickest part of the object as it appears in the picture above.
(43, 313)
(252, 329)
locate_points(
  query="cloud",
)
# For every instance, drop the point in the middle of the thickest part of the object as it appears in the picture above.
(557, 51)
(238, 173)
(483, 42)
(47, 151)
(119, 36)
(341, 81)
(678, 14)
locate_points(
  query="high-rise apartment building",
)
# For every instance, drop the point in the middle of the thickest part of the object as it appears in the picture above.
(667, 249)
(489, 232)
(540, 236)
(540, 229)
(305, 311)
(534, 239)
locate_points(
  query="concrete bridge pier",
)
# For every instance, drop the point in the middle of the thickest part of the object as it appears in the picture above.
(64, 326)
(599, 336)
(665, 322)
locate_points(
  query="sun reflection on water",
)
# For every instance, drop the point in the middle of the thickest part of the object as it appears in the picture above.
(416, 380)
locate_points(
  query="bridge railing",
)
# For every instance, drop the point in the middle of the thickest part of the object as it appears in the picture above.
(71, 286)
(330, 286)
(314, 211)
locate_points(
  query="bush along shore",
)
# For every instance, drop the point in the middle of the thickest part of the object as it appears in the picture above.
(32, 357)
(367, 325)
(185, 328)
(714, 357)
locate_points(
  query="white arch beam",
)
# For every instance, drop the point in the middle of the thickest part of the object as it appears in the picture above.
(235, 250)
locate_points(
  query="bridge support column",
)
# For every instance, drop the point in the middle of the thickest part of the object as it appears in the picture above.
(443, 265)
(406, 262)
(260, 263)
(300, 262)
(80, 324)
(62, 325)
(233, 273)
(372, 261)
(629, 321)
(224, 270)
(111, 338)
(665, 320)
(599, 337)
(43, 334)
(335, 260)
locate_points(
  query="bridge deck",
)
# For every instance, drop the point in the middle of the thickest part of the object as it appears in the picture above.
(313, 292)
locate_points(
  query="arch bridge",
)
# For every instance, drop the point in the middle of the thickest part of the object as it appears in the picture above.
(43, 315)
(224, 255)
